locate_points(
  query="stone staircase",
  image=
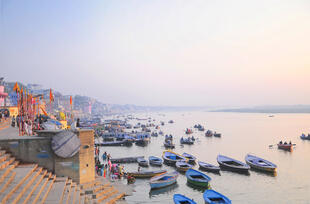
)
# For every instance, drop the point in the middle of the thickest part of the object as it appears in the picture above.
(29, 183)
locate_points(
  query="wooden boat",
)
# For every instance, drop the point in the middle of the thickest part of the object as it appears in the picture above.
(217, 134)
(188, 131)
(155, 161)
(142, 142)
(191, 158)
(209, 133)
(169, 144)
(143, 162)
(186, 141)
(260, 164)
(125, 159)
(201, 128)
(183, 166)
(170, 121)
(181, 199)
(287, 147)
(163, 180)
(213, 197)
(232, 164)
(208, 167)
(304, 137)
(170, 158)
(197, 178)
(146, 174)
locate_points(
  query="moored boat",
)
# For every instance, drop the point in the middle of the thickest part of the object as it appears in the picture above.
(186, 140)
(146, 174)
(208, 167)
(163, 180)
(259, 163)
(155, 161)
(191, 158)
(169, 144)
(170, 158)
(213, 197)
(183, 166)
(181, 199)
(188, 131)
(216, 134)
(197, 178)
(143, 162)
(232, 164)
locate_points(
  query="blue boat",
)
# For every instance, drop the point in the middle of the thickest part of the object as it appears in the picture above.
(304, 137)
(163, 180)
(208, 167)
(214, 197)
(183, 166)
(155, 161)
(232, 164)
(260, 164)
(191, 158)
(181, 199)
(143, 162)
(170, 158)
(197, 178)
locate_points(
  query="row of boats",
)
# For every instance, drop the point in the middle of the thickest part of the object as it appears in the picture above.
(210, 197)
(185, 161)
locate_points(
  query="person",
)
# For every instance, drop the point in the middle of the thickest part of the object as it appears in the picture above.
(290, 143)
(280, 142)
(13, 121)
(30, 127)
(17, 120)
(78, 123)
(285, 143)
(139, 168)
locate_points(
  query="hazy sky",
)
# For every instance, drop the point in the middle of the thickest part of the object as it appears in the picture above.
(169, 52)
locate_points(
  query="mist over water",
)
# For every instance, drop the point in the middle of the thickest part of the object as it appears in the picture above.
(242, 133)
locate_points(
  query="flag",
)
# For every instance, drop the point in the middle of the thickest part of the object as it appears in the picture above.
(44, 112)
(71, 100)
(51, 96)
(16, 88)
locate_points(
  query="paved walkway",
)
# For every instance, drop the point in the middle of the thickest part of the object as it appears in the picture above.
(11, 133)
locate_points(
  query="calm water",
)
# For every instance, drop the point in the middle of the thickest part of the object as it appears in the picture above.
(241, 134)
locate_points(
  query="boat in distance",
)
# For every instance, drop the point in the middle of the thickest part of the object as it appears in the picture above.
(214, 197)
(146, 174)
(285, 146)
(183, 166)
(232, 164)
(208, 167)
(143, 162)
(163, 180)
(197, 178)
(170, 158)
(304, 137)
(155, 161)
(191, 158)
(260, 164)
(181, 199)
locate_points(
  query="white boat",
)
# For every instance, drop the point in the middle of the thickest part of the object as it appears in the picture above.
(164, 180)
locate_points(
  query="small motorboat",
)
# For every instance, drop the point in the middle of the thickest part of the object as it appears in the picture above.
(170, 158)
(170, 121)
(191, 158)
(183, 166)
(304, 137)
(181, 199)
(285, 146)
(216, 134)
(260, 164)
(146, 174)
(209, 133)
(208, 167)
(213, 197)
(163, 180)
(186, 141)
(197, 178)
(155, 161)
(143, 162)
(232, 164)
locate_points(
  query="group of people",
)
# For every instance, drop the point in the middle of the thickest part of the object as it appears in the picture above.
(4, 115)
(285, 143)
(24, 123)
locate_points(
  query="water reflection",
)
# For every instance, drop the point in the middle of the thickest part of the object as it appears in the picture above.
(165, 190)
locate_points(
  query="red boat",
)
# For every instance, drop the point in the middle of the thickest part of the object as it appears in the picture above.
(287, 147)
(188, 131)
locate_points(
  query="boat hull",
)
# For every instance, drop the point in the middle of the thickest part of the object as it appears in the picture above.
(146, 174)
(162, 185)
(211, 197)
(237, 166)
(197, 178)
(260, 164)
(212, 168)
(285, 147)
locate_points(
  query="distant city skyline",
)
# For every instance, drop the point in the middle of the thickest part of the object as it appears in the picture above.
(152, 53)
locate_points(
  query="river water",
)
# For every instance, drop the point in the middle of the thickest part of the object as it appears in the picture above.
(242, 133)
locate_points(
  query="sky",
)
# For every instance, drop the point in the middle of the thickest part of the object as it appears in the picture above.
(159, 52)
